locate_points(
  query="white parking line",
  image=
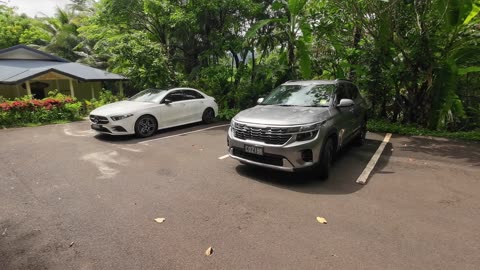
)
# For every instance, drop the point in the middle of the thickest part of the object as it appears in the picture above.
(362, 179)
(182, 134)
(223, 157)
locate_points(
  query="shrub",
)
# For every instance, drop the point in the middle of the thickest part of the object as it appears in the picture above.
(227, 114)
(386, 126)
(24, 111)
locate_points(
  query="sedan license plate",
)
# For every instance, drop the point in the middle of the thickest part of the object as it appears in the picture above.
(254, 150)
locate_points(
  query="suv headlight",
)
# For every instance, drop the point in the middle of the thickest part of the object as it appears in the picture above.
(309, 132)
(120, 117)
(306, 135)
(310, 127)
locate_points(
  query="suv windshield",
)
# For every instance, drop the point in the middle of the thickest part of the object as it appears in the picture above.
(319, 95)
(148, 95)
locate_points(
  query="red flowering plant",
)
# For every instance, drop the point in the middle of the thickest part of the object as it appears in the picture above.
(23, 111)
(5, 106)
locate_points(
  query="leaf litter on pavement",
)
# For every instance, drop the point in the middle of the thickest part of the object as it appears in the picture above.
(209, 251)
(159, 220)
(322, 220)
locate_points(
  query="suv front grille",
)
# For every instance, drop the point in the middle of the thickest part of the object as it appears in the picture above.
(275, 136)
(98, 119)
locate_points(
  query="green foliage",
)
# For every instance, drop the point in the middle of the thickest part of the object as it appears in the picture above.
(386, 126)
(105, 97)
(417, 62)
(227, 114)
(12, 26)
(25, 111)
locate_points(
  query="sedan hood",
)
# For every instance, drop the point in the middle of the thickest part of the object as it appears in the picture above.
(122, 107)
(283, 116)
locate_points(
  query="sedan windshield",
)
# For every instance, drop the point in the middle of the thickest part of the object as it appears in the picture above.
(148, 95)
(319, 95)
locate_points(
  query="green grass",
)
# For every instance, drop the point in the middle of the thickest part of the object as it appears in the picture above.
(385, 126)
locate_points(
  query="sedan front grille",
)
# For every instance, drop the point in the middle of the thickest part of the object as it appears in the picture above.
(98, 119)
(277, 136)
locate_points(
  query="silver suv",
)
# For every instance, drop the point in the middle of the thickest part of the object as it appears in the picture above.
(300, 124)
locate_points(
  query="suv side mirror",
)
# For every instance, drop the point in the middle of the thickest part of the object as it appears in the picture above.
(260, 100)
(167, 101)
(345, 102)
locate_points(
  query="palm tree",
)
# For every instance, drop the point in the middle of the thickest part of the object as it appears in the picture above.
(294, 29)
(63, 29)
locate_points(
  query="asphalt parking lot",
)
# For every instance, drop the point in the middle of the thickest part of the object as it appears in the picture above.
(71, 199)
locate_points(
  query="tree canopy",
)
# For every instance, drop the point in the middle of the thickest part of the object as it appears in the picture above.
(416, 61)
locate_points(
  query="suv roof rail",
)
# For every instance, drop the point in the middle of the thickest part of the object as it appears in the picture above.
(342, 79)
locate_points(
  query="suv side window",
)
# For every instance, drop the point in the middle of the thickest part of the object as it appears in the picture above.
(343, 91)
(353, 91)
(190, 94)
(175, 96)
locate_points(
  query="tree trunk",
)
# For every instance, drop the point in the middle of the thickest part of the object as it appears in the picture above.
(357, 36)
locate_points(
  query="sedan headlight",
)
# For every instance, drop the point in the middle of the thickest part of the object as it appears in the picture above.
(120, 117)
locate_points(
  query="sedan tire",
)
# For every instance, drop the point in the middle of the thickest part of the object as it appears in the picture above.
(146, 126)
(208, 116)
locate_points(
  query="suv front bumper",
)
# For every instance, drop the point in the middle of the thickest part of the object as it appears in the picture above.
(287, 157)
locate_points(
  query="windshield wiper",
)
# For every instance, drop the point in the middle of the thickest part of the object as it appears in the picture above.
(285, 105)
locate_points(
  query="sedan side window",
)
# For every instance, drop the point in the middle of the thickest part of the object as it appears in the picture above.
(175, 96)
(190, 94)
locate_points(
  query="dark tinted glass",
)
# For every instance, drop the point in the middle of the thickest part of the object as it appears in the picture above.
(190, 94)
(343, 91)
(175, 96)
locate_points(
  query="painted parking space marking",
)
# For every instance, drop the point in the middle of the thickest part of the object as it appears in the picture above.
(223, 157)
(182, 134)
(131, 149)
(83, 133)
(362, 179)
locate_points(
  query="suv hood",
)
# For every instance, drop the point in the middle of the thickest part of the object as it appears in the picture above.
(282, 116)
(122, 107)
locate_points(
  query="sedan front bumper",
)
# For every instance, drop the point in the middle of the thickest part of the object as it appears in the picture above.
(107, 126)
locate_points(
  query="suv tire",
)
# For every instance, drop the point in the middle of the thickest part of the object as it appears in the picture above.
(362, 135)
(326, 159)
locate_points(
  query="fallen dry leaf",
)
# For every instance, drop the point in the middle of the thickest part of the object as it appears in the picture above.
(322, 220)
(160, 220)
(71, 244)
(209, 251)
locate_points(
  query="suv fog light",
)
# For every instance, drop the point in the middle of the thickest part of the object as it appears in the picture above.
(307, 135)
(307, 155)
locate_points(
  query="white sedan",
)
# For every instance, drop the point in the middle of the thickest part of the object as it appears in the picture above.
(154, 109)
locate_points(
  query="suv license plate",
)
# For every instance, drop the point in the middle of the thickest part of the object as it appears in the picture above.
(254, 150)
(96, 126)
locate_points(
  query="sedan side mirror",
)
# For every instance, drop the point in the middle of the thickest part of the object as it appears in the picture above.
(167, 101)
(345, 102)
(260, 100)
